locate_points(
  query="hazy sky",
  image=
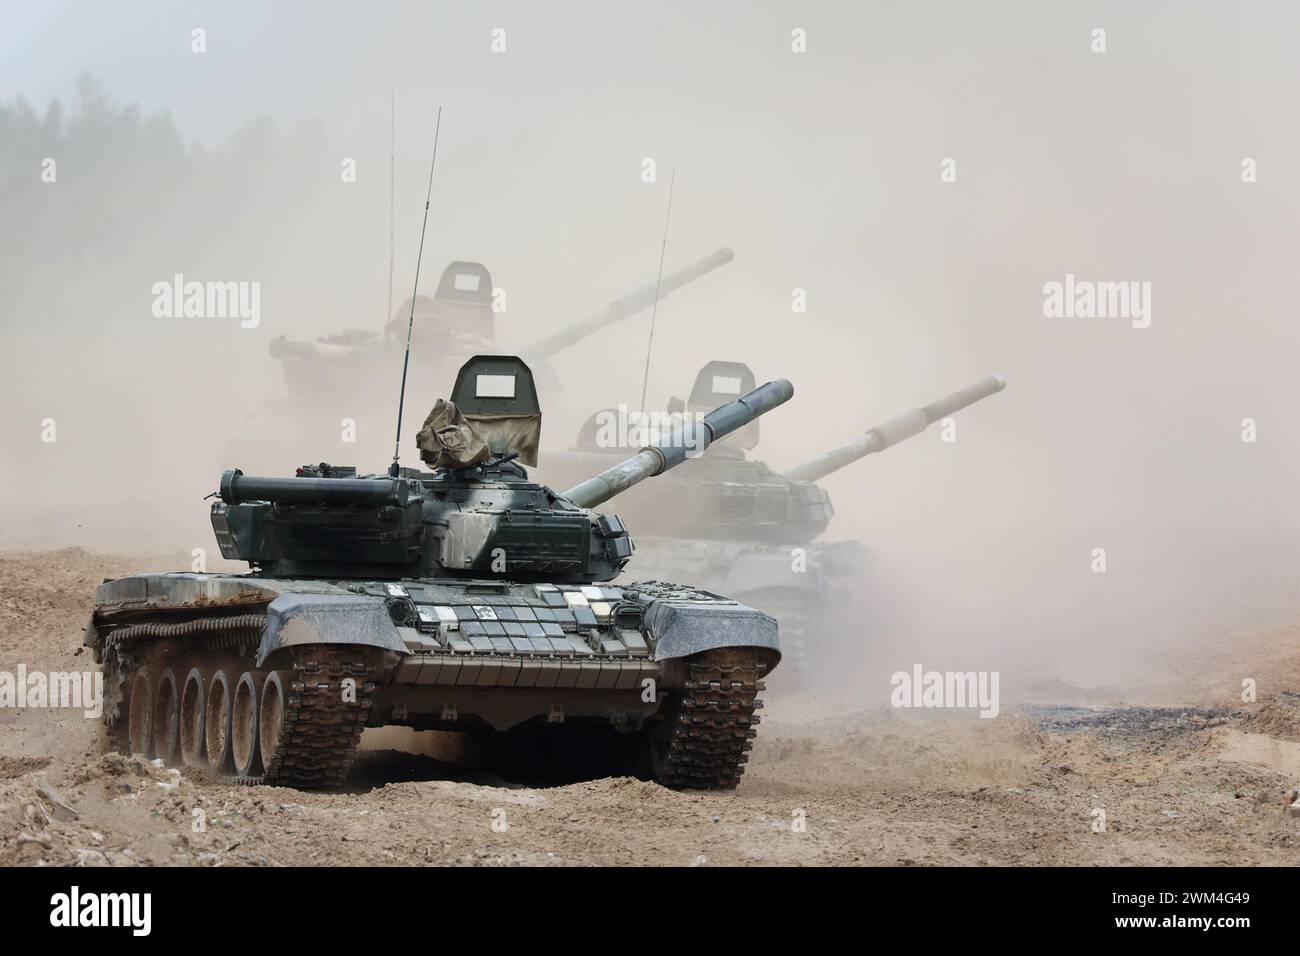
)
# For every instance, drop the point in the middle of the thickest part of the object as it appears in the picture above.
(821, 169)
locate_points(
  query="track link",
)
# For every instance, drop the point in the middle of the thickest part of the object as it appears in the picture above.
(321, 729)
(713, 724)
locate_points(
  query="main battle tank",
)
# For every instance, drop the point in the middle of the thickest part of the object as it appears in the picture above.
(464, 598)
(736, 526)
(337, 399)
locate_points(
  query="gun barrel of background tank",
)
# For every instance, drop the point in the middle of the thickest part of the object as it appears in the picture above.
(895, 430)
(236, 488)
(689, 441)
(282, 348)
(627, 306)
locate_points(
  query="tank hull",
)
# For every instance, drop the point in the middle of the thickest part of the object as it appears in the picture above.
(273, 680)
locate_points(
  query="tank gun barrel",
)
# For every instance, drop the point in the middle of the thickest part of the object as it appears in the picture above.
(629, 305)
(237, 488)
(282, 348)
(895, 430)
(689, 441)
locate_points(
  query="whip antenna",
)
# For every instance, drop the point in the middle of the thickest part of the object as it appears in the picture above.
(394, 468)
(645, 378)
(392, 142)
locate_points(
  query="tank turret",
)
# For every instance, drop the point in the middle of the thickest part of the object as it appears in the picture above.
(475, 515)
(461, 308)
(731, 495)
(744, 529)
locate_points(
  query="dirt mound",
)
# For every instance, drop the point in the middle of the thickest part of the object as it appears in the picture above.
(1280, 717)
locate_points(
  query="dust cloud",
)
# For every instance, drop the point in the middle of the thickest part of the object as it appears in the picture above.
(822, 171)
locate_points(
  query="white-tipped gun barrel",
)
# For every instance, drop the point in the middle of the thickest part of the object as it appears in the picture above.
(895, 430)
(689, 441)
(629, 305)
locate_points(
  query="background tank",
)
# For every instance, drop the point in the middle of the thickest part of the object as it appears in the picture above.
(338, 396)
(734, 524)
(463, 598)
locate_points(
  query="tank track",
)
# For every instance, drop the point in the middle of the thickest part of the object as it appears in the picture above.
(118, 664)
(321, 731)
(713, 724)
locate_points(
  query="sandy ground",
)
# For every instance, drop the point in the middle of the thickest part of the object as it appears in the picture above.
(1188, 775)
